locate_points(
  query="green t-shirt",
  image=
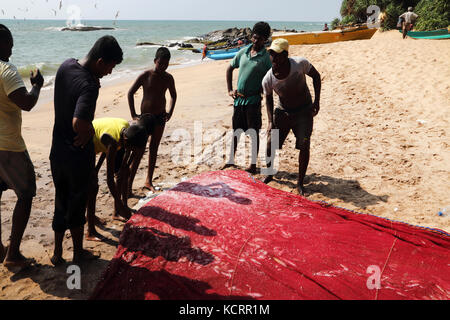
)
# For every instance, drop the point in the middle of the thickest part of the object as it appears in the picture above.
(251, 72)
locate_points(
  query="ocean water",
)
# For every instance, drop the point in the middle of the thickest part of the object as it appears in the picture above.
(41, 43)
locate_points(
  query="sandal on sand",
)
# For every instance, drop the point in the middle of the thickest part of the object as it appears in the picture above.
(57, 261)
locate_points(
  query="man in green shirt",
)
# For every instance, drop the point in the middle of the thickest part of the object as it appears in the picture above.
(253, 63)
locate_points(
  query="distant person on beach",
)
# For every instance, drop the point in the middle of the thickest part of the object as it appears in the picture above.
(409, 19)
(155, 83)
(16, 169)
(253, 63)
(117, 141)
(325, 28)
(72, 155)
(296, 110)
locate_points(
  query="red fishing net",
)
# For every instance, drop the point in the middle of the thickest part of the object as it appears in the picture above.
(224, 235)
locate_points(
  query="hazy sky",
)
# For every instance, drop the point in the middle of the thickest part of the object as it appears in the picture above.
(270, 10)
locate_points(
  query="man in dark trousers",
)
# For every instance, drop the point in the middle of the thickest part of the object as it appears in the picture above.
(72, 156)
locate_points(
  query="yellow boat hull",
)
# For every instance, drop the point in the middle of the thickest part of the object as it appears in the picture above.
(326, 36)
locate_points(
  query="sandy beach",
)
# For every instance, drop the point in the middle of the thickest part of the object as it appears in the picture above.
(380, 146)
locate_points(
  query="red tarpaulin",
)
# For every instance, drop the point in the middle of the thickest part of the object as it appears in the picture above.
(224, 235)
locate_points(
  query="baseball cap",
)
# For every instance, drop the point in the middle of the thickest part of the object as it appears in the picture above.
(279, 45)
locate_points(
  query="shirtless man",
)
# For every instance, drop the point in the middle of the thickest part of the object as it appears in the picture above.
(154, 83)
(296, 110)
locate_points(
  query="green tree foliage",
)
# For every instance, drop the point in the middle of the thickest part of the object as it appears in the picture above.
(432, 13)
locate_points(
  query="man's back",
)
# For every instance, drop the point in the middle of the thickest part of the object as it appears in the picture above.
(410, 17)
(111, 126)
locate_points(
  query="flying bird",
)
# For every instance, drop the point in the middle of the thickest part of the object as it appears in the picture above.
(117, 14)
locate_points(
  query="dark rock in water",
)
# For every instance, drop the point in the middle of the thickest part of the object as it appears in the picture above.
(173, 44)
(194, 40)
(185, 45)
(84, 28)
(148, 44)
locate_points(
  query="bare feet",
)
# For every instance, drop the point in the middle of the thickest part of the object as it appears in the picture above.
(228, 165)
(19, 262)
(100, 222)
(301, 190)
(94, 236)
(84, 255)
(268, 178)
(57, 260)
(149, 187)
(251, 169)
(119, 218)
(3, 253)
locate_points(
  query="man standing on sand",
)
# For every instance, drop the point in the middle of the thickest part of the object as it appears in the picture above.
(72, 156)
(409, 19)
(296, 110)
(16, 168)
(253, 63)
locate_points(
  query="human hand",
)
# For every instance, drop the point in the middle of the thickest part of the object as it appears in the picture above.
(315, 108)
(233, 94)
(83, 137)
(36, 78)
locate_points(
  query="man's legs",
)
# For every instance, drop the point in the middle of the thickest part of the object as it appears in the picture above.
(92, 234)
(405, 29)
(136, 158)
(254, 122)
(153, 154)
(303, 161)
(21, 215)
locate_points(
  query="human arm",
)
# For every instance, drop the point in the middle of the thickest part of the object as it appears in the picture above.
(84, 130)
(136, 85)
(317, 82)
(27, 100)
(173, 98)
(83, 115)
(232, 93)
(269, 108)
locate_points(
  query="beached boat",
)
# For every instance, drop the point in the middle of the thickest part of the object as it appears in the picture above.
(319, 37)
(221, 54)
(433, 34)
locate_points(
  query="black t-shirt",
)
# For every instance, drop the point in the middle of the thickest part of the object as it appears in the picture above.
(76, 93)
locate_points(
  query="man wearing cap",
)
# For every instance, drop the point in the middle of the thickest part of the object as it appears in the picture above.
(409, 19)
(296, 109)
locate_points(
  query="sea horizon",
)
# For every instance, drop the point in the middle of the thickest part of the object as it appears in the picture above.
(41, 43)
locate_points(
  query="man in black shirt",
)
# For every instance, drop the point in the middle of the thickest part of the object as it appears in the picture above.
(72, 156)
